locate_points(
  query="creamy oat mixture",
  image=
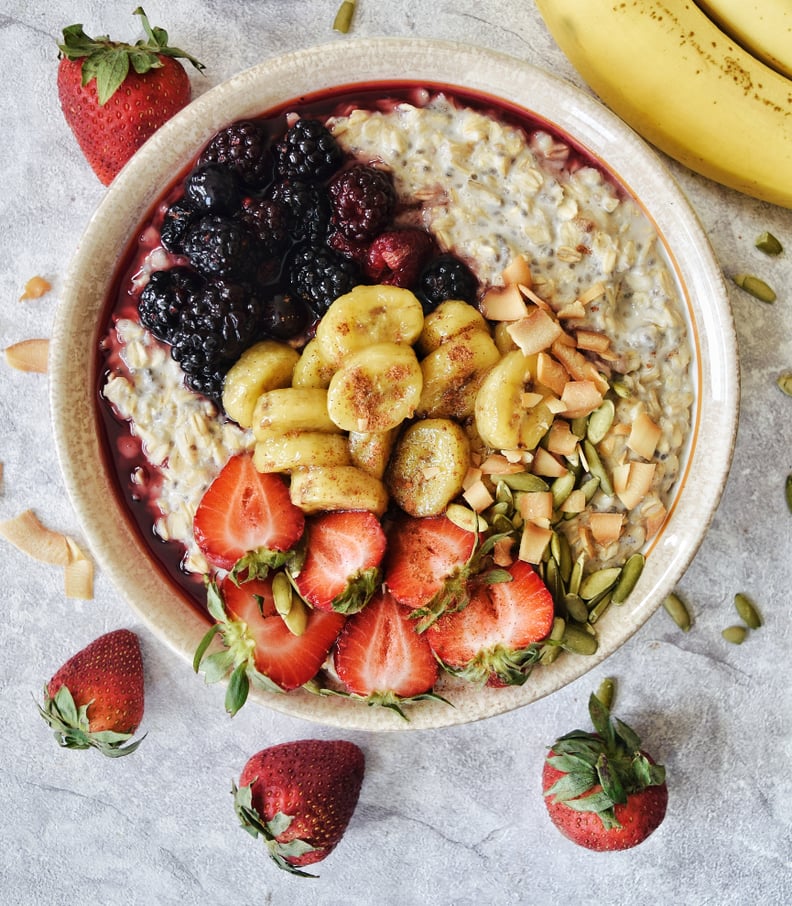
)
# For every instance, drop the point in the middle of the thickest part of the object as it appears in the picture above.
(488, 195)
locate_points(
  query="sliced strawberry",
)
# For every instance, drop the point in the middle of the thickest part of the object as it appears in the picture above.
(380, 656)
(259, 646)
(244, 510)
(429, 560)
(494, 639)
(341, 568)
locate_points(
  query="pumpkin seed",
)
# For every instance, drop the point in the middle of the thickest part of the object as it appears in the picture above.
(552, 579)
(503, 494)
(755, 287)
(466, 519)
(620, 389)
(766, 242)
(676, 609)
(576, 608)
(606, 691)
(598, 582)
(600, 421)
(788, 492)
(579, 426)
(579, 641)
(784, 382)
(576, 576)
(631, 572)
(600, 607)
(735, 635)
(589, 487)
(561, 488)
(282, 593)
(596, 467)
(524, 481)
(559, 547)
(552, 647)
(747, 610)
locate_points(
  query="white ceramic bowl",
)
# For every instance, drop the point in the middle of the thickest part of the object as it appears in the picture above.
(119, 550)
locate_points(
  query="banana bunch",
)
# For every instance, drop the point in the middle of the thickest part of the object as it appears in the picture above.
(673, 74)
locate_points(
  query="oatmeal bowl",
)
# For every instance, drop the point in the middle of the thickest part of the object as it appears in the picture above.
(394, 402)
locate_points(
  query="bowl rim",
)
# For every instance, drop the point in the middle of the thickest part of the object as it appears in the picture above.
(568, 109)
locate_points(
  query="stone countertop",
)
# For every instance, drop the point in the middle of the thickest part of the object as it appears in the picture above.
(451, 816)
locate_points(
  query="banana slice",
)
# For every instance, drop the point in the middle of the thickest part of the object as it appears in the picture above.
(375, 388)
(299, 449)
(267, 365)
(453, 372)
(292, 409)
(368, 315)
(371, 450)
(428, 466)
(312, 370)
(341, 487)
(447, 320)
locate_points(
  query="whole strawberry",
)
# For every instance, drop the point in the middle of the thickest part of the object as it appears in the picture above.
(300, 796)
(601, 789)
(95, 700)
(115, 96)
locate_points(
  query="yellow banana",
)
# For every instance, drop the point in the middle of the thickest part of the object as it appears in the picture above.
(678, 80)
(762, 27)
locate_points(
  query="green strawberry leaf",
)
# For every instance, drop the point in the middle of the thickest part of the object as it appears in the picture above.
(596, 802)
(203, 645)
(628, 736)
(237, 690)
(600, 717)
(568, 763)
(216, 666)
(572, 785)
(610, 782)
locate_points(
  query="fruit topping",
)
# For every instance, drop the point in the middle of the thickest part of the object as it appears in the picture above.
(318, 276)
(363, 200)
(177, 220)
(396, 257)
(244, 148)
(220, 247)
(165, 298)
(269, 221)
(446, 277)
(308, 209)
(212, 189)
(308, 151)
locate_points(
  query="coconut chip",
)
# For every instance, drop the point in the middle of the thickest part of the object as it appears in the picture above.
(28, 355)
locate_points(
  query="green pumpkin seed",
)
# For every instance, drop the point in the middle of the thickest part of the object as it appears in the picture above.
(503, 494)
(579, 641)
(788, 492)
(561, 488)
(620, 389)
(552, 647)
(576, 576)
(559, 548)
(596, 467)
(600, 607)
(631, 572)
(606, 691)
(465, 518)
(676, 609)
(784, 382)
(524, 481)
(755, 287)
(598, 582)
(590, 487)
(766, 242)
(579, 425)
(576, 608)
(282, 593)
(747, 610)
(735, 635)
(600, 421)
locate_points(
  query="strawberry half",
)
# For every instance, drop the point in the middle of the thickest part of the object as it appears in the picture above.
(300, 796)
(246, 512)
(493, 640)
(115, 96)
(95, 700)
(260, 648)
(381, 657)
(341, 568)
(602, 791)
(428, 564)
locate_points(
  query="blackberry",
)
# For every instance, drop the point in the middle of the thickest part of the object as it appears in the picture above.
(208, 382)
(308, 209)
(177, 220)
(318, 276)
(243, 147)
(363, 200)
(213, 189)
(221, 247)
(446, 277)
(269, 221)
(285, 316)
(307, 151)
(164, 298)
(223, 320)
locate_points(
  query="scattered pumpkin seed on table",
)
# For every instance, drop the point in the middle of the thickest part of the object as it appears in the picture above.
(676, 609)
(735, 634)
(755, 287)
(747, 611)
(766, 242)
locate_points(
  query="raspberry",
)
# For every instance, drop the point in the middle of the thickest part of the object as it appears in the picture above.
(397, 256)
(318, 276)
(219, 247)
(308, 151)
(363, 200)
(446, 277)
(163, 300)
(212, 189)
(308, 209)
(244, 147)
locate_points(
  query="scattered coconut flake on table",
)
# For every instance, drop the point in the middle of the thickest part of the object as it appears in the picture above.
(29, 355)
(35, 288)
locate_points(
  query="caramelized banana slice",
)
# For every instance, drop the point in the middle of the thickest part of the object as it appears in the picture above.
(312, 370)
(371, 450)
(299, 449)
(341, 487)
(267, 365)
(428, 466)
(292, 409)
(446, 321)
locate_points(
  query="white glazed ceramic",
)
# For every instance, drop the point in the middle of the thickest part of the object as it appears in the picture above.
(118, 549)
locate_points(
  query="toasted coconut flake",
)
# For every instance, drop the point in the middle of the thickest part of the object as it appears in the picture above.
(499, 464)
(574, 310)
(536, 507)
(580, 398)
(639, 481)
(575, 502)
(473, 475)
(78, 574)
(593, 341)
(560, 439)
(578, 366)
(504, 303)
(502, 552)
(547, 465)
(551, 373)
(478, 497)
(533, 543)
(28, 355)
(518, 271)
(606, 527)
(531, 296)
(654, 517)
(35, 288)
(30, 536)
(644, 436)
(535, 332)
(529, 399)
(593, 292)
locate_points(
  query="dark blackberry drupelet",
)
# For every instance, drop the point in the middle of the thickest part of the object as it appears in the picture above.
(446, 277)
(243, 147)
(165, 298)
(269, 221)
(318, 276)
(308, 208)
(221, 247)
(308, 152)
(208, 382)
(177, 220)
(363, 200)
(285, 316)
(213, 189)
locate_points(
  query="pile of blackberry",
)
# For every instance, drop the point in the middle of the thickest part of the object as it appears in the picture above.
(274, 224)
